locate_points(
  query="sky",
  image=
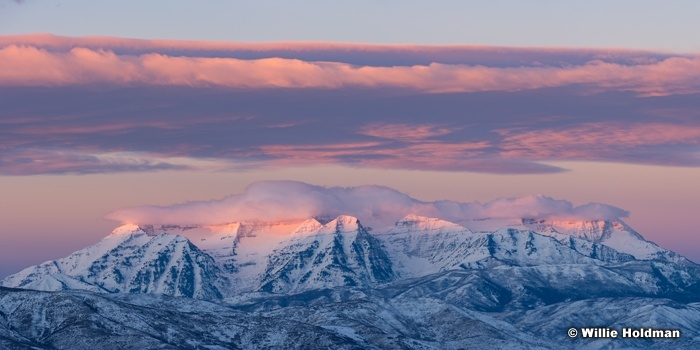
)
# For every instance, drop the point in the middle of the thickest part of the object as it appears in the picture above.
(111, 105)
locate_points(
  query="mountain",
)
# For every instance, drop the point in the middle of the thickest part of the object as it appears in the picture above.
(425, 245)
(423, 283)
(74, 320)
(294, 256)
(339, 253)
(130, 260)
(427, 313)
(610, 233)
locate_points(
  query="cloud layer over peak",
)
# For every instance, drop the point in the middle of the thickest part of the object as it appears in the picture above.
(375, 206)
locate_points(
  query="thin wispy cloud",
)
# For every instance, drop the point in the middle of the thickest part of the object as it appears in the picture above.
(603, 141)
(69, 104)
(56, 161)
(404, 132)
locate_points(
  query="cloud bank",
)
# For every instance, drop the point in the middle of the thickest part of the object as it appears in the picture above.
(25, 65)
(99, 104)
(375, 206)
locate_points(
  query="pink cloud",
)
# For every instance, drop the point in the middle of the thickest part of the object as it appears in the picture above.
(30, 64)
(376, 206)
(595, 141)
(382, 106)
(326, 153)
(420, 155)
(404, 132)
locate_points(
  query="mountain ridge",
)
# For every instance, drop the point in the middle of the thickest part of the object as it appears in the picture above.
(424, 283)
(297, 255)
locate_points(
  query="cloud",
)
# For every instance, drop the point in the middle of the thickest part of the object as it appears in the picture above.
(43, 161)
(434, 155)
(30, 64)
(221, 106)
(376, 206)
(213, 129)
(601, 141)
(376, 55)
(404, 132)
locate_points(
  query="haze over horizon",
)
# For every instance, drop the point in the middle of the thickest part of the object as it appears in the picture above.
(460, 101)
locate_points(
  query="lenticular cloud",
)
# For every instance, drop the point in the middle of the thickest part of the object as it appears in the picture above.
(376, 206)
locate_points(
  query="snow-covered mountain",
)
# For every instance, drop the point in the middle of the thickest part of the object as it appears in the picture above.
(130, 260)
(449, 310)
(423, 283)
(610, 233)
(288, 257)
(425, 245)
(339, 253)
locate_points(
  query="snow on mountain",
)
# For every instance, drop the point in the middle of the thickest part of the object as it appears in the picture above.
(212, 261)
(433, 312)
(614, 234)
(240, 249)
(130, 261)
(496, 278)
(521, 248)
(86, 321)
(338, 253)
(425, 283)
(255, 243)
(421, 246)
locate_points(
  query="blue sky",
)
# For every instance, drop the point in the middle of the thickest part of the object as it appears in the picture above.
(669, 25)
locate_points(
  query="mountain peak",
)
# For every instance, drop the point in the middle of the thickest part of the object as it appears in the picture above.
(308, 226)
(127, 229)
(344, 223)
(595, 231)
(413, 222)
(612, 233)
(413, 218)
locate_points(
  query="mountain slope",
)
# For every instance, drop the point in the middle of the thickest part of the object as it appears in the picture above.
(339, 253)
(421, 246)
(294, 256)
(130, 261)
(424, 283)
(391, 317)
(614, 234)
(75, 320)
